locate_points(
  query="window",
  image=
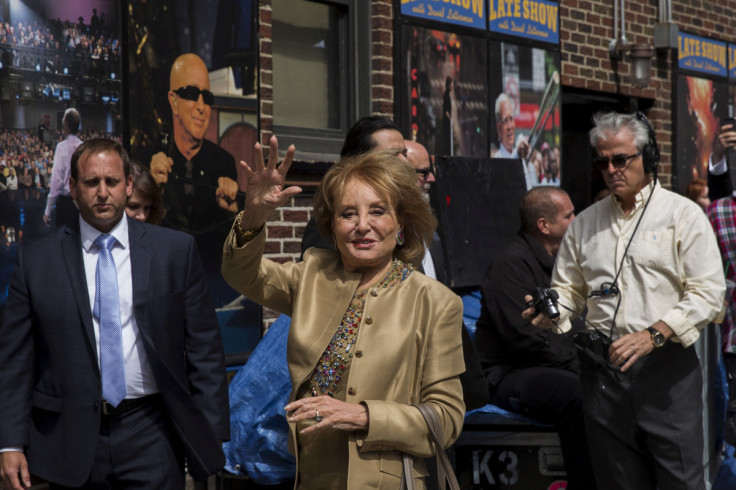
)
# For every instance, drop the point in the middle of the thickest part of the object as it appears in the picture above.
(314, 99)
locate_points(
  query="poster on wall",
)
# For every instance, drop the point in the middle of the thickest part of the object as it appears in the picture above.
(702, 55)
(447, 91)
(184, 56)
(702, 104)
(525, 102)
(537, 20)
(53, 56)
(468, 13)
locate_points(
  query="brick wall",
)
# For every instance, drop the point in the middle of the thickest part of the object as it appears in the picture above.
(382, 60)
(586, 27)
(286, 226)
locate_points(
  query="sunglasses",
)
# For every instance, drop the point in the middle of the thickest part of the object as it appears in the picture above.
(423, 172)
(618, 161)
(190, 92)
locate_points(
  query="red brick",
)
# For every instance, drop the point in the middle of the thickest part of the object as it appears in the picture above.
(296, 216)
(272, 247)
(382, 93)
(293, 247)
(382, 36)
(302, 200)
(276, 231)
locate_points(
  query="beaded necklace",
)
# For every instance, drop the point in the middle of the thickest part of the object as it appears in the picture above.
(338, 354)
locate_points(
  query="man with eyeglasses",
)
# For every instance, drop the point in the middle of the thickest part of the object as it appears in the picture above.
(198, 179)
(645, 264)
(418, 157)
(506, 128)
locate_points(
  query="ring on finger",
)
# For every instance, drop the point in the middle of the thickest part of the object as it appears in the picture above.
(318, 418)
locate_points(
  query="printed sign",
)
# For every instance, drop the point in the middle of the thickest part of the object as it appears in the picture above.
(469, 13)
(731, 61)
(702, 55)
(530, 19)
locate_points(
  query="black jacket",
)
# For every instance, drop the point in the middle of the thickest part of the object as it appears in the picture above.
(504, 340)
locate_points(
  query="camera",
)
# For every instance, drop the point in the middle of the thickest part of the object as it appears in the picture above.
(545, 300)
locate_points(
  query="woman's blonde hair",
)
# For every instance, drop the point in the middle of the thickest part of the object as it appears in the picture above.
(393, 179)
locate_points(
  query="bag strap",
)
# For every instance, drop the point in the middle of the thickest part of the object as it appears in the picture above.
(407, 476)
(445, 473)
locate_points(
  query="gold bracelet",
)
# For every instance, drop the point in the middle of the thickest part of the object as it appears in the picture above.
(244, 236)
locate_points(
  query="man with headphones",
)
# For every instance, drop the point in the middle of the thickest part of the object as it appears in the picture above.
(645, 264)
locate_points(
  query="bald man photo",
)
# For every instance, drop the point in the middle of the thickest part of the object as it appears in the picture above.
(198, 179)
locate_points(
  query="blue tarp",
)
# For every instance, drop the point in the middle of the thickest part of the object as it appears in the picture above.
(258, 429)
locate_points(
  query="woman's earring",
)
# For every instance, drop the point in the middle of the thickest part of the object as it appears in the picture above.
(400, 237)
(334, 241)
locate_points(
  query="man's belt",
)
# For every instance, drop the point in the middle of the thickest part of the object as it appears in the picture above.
(128, 404)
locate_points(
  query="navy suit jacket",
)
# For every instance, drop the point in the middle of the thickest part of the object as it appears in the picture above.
(50, 388)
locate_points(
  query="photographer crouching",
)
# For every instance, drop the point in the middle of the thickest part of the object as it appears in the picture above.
(529, 370)
(646, 265)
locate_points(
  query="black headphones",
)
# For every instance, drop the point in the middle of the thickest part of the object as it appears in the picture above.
(650, 152)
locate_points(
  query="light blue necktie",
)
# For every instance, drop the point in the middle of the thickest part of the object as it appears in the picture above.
(107, 310)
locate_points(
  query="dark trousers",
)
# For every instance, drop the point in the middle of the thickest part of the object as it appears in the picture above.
(645, 426)
(729, 360)
(553, 396)
(138, 449)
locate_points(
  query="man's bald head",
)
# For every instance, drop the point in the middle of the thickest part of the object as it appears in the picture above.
(188, 82)
(189, 69)
(418, 157)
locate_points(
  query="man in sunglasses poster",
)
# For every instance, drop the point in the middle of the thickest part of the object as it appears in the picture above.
(198, 179)
(645, 264)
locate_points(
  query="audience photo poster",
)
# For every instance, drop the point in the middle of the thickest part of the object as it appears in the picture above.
(446, 86)
(525, 110)
(53, 55)
(702, 104)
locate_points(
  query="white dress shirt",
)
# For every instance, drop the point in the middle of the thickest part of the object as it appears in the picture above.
(672, 271)
(428, 265)
(138, 373)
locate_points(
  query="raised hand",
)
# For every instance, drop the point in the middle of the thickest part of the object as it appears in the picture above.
(725, 139)
(265, 185)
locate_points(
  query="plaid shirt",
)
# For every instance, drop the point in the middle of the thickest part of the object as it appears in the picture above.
(722, 215)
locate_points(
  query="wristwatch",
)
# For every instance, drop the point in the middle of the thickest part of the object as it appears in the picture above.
(658, 339)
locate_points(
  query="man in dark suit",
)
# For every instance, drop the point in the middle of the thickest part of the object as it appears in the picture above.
(160, 394)
(417, 155)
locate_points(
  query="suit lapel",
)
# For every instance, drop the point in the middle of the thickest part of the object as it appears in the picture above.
(438, 259)
(140, 265)
(71, 247)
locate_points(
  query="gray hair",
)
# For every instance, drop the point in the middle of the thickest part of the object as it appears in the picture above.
(607, 124)
(500, 100)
